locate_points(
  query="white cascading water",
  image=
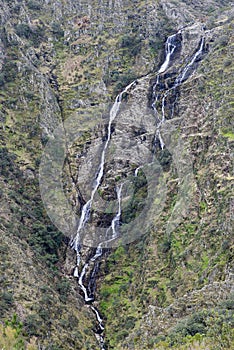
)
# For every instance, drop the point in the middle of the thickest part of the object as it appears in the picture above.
(169, 50)
(114, 227)
(80, 282)
(170, 47)
(85, 214)
(99, 336)
(183, 76)
(137, 171)
(112, 231)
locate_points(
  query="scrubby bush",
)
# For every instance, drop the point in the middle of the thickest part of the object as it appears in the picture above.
(6, 301)
(131, 43)
(34, 5)
(57, 30)
(35, 35)
(32, 325)
(11, 337)
(23, 30)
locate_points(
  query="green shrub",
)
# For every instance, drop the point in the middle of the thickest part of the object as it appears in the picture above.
(23, 30)
(57, 30)
(6, 301)
(63, 288)
(131, 43)
(36, 35)
(32, 325)
(130, 322)
(34, 5)
(121, 335)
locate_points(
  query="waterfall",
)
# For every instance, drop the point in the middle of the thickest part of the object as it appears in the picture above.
(170, 47)
(85, 214)
(80, 282)
(137, 171)
(185, 72)
(169, 50)
(89, 291)
(99, 250)
(88, 273)
(181, 78)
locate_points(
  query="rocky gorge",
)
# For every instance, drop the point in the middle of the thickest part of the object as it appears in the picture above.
(135, 100)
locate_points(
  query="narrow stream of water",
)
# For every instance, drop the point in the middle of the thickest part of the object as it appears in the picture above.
(87, 274)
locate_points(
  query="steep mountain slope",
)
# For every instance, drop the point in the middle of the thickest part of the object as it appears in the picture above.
(171, 285)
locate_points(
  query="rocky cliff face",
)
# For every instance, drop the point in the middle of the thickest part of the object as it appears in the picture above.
(169, 284)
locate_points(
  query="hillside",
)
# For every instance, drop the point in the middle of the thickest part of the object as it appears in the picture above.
(166, 279)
